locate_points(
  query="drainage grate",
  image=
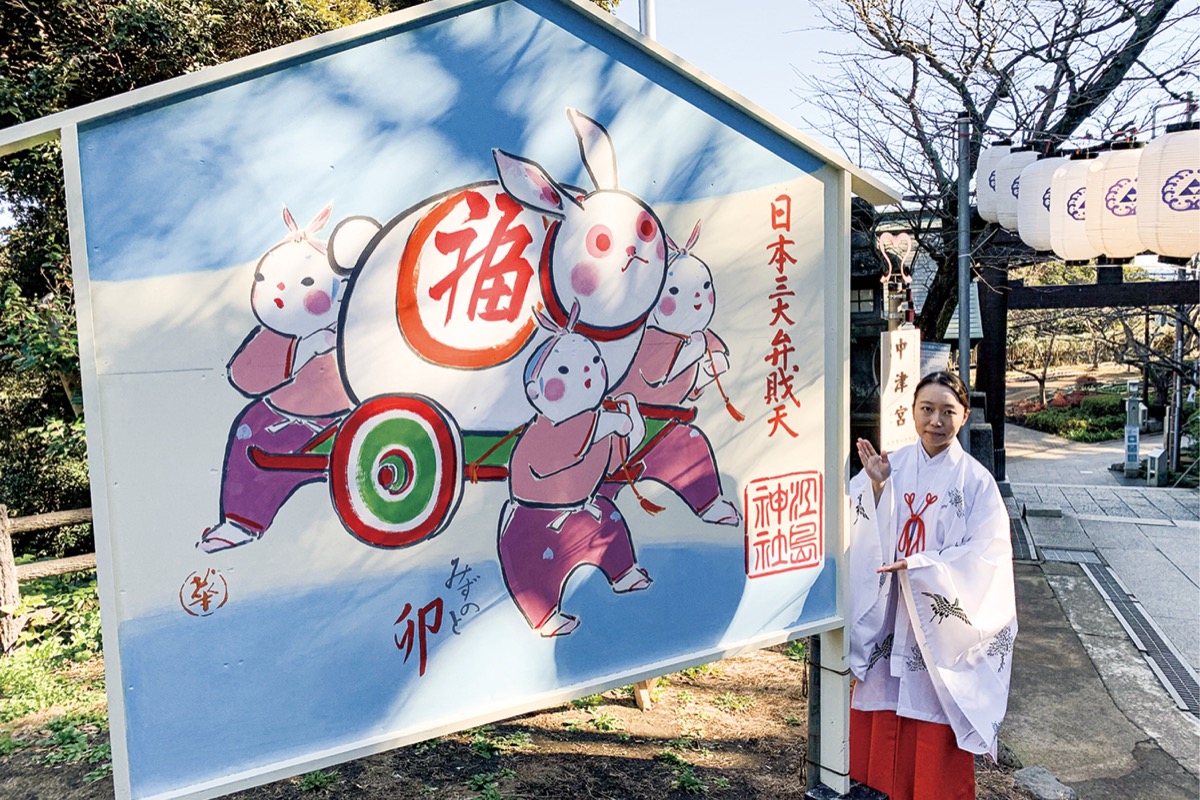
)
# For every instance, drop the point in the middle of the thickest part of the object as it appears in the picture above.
(1071, 556)
(1175, 675)
(1022, 542)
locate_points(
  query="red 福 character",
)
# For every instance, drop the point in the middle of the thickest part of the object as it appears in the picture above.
(503, 274)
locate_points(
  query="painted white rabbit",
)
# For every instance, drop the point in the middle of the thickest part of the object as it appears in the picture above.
(555, 521)
(678, 356)
(287, 366)
(443, 301)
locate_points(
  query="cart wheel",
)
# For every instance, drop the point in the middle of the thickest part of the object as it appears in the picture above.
(396, 470)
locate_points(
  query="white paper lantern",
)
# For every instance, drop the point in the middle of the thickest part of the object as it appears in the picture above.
(985, 178)
(1033, 203)
(1168, 209)
(1068, 210)
(1112, 201)
(1008, 184)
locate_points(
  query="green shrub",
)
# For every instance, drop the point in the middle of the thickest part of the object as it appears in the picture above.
(44, 467)
(1073, 424)
(1100, 405)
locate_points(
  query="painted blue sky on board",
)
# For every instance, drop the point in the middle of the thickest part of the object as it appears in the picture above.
(196, 183)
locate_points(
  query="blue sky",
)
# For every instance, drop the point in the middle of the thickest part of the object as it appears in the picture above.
(752, 53)
(753, 48)
(197, 184)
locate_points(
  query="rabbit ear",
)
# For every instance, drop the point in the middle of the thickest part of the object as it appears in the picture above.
(691, 242)
(573, 317)
(596, 150)
(544, 321)
(530, 186)
(671, 246)
(318, 222)
(289, 220)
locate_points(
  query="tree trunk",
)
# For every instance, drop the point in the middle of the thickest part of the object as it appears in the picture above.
(10, 592)
(941, 299)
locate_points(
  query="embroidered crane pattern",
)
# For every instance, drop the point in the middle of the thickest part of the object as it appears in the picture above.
(912, 537)
(916, 660)
(943, 609)
(859, 511)
(956, 502)
(1002, 645)
(881, 651)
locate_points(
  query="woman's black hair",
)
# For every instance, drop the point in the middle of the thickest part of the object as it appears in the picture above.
(950, 381)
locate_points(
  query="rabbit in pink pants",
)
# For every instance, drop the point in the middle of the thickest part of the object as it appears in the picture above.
(677, 358)
(555, 522)
(288, 366)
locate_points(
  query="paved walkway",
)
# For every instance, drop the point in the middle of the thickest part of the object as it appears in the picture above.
(1149, 537)
(1110, 596)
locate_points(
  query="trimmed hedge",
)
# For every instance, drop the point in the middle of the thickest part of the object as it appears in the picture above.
(1077, 425)
(1101, 405)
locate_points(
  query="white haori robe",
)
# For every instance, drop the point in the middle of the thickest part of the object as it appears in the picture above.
(954, 666)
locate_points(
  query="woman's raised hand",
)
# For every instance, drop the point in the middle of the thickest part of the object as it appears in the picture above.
(876, 465)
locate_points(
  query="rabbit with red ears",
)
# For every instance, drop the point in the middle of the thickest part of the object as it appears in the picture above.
(288, 367)
(555, 521)
(677, 358)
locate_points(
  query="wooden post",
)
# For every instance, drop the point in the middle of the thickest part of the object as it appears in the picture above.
(10, 592)
(641, 694)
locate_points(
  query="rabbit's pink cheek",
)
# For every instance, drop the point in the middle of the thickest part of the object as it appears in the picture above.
(554, 390)
(712, 298)
(318, 302)
(585, 278)
(661, 249)
(666, 306)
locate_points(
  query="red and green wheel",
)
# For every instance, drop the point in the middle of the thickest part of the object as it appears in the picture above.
(396, 470)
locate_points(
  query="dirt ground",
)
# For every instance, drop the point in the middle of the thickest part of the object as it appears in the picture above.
(732, 730)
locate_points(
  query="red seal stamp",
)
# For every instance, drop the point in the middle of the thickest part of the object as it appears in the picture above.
(203, 593)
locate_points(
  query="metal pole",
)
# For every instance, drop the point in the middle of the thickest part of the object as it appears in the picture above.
(1177, 387)
(1177, 384)
(646, 20)
(813, 758)
(964, 262)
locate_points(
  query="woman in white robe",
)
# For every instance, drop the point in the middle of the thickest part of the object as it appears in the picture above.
(930, 545)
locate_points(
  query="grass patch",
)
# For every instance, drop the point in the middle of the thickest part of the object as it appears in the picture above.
(732, 702)
(602, 721)
(692, 673)
(588, 702)
(9, 745)
(484, 780)
(687, 781)
(56, 673)
(57, 659)
(317, 781)
(485, 743)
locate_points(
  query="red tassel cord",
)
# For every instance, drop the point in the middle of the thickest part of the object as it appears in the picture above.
(912, 536)
(648, 505)
(733, 412)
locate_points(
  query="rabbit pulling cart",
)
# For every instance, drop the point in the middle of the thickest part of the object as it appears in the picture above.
(466, 292)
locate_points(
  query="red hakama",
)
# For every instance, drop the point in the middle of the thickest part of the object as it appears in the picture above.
(909, 759)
